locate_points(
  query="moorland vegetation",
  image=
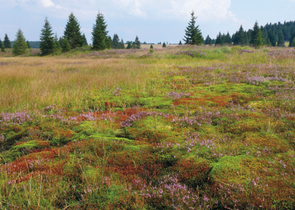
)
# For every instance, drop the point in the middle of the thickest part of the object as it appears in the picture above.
(182, 127)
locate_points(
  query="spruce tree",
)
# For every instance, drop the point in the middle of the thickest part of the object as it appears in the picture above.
(116, 42)
(193, 34)
(256, 36)
(7, 43)
(271, 38)
(56, 45)
(28, 44)
(122, 45)
(208, 40)
(164, 44)
(99, 34)
(129, 45)
(180, 43)
(19, 46)
(66, 47)
(72, 32)
(151, 47)
(281, 41)
(85, 43)
(136, 43)
(47, 39)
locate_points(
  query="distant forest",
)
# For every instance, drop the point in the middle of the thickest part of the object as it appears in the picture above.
(271, 35)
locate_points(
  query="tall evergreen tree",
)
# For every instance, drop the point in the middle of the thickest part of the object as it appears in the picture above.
(116, 42)
(228, 39)
(19, 46)
(193, 34)
(219, 39)
(122, 44)
(281, 41)
(72, 32)
(256, 36)
(164, 44)
(47, 39)
(208, 40)
(271, 38)
(99, 33)
(129, 45)
(136, 43)
(28, 44)
(7, 43)
(85, 43)
(180, 43)
(56, 45)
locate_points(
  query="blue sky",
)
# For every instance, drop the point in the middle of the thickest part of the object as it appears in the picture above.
(150, 20)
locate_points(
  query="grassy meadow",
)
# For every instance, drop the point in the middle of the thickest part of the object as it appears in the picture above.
(171, 128)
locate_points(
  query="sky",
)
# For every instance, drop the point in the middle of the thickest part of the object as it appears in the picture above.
(152, 21)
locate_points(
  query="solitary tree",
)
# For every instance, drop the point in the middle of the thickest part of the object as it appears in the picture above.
(136, 44)
(256, 36)
(99, 33)
(72, 32)
(180, 43)
(47, 39)
(19, 46)
(7, 43)
(193, 34)
(164, 44)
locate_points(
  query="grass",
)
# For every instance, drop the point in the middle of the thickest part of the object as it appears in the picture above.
(177, 128)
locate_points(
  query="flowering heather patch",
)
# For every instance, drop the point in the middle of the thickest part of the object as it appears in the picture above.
(176, 96)
(15, 118)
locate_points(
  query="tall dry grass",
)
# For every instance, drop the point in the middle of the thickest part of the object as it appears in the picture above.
(31, 82)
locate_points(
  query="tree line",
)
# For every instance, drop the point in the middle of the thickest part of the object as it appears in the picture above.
(271, 35)
(72, 38)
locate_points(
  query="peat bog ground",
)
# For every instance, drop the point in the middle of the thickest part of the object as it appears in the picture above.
(175, 128)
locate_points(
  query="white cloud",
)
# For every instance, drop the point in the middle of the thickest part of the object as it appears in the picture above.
(47, 3)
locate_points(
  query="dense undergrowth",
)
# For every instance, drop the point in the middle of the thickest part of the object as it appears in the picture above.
(209, 129)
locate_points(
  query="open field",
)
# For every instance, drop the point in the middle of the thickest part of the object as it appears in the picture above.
(177, 128)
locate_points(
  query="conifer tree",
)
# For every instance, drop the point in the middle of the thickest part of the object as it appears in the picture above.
(85, 43)
(129, 45)
(180, 43)
(281, 41)
(256, 36)
(100, 40)
(271, 38)
(116, 42)
(28, 44)
(66, 47)
(47, 39)
(193, 34)
(122, 44)
(19, 46)
(72, 32)
(1, 44)
(7, 43)
(56, 45)
(164, 44)
(136, 44)
(208, 40)
(151, 47)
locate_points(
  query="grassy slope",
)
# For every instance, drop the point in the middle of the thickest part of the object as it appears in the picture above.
(170, 129)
